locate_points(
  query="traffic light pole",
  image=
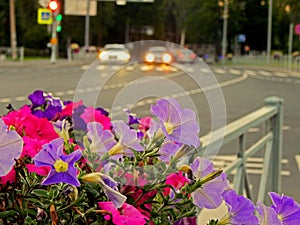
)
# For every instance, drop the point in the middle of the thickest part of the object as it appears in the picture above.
(53, 40)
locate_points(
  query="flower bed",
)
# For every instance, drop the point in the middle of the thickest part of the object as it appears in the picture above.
(67, 163)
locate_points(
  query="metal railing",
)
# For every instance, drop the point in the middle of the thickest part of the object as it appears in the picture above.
(270, 116)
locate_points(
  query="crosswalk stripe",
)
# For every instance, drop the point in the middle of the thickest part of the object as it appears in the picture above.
(297, 157)
(254, 165)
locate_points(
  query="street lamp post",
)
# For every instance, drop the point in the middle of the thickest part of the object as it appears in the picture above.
(13, 33)
(269, 30)
(225, 25)
(87, 27)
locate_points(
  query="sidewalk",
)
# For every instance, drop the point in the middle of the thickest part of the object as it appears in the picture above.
(61, 62)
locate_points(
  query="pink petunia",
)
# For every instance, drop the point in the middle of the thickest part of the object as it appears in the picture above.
(145, 124)
(9, 178)
(126, 215)
(68, 109)
(39, 128)
(32, 146)
(17, 118)
(39, 170)
(177, 180)
(90, 114)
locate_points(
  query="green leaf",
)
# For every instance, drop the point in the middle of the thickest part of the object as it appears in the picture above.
(8, 214)
(41, 193)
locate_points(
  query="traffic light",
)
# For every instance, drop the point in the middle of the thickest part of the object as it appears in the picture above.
(54, 5)
(58, 19)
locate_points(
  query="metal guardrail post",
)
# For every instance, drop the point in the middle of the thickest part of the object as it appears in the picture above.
(275, 161)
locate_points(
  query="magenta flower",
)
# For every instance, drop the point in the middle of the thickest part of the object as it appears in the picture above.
(286, 208)
(62, 166)
(267, 215)
(127, 140)
(126, 215)
(177, 124)
(240, 210)
(177, 180)
(91, 114)
(210, 194)
(11, 145)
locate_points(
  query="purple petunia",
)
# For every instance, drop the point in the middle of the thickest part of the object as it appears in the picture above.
(44, 105)
(267, 215)
(127, 140)
(177, 124)
(61, 166)
(11, 145)
(37, 98)
(240, 210)
(109, 185)
(101, 140)
(210, 194)
(286, 208)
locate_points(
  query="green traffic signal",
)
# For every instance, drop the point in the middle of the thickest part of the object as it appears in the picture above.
(58, 28)
(58, 17)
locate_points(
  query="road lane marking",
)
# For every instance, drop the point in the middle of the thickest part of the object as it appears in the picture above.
(250, 72)
(253, 130)
(236, 72)
(21, 98)
(265, 73)
(297, 157)
(280, 74)
(254, 165)
(5, 100)
(221, 71)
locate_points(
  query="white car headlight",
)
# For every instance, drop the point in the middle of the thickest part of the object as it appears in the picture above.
(103, 55)
(167, 58)
(149, 57)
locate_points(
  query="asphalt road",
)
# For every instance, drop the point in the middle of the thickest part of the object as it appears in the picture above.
(219, 95)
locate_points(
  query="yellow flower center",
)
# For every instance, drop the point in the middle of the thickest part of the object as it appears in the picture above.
(61, 166)
(280, 217)
(169, 127)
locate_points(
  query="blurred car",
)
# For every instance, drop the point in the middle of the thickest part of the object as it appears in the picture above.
(183, 55)
(114, 53)
(158, 54)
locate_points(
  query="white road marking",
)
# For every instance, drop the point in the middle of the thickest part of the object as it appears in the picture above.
(100, 67)
(221, 71)
(20, 98)
(297, 157)
(280, 74)
(5, 100)
(285, 127)
(265, 73)
(205, 70)
(84, 67)
(236, 72)
(253, 130)
(254, 165)
(250, 72)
